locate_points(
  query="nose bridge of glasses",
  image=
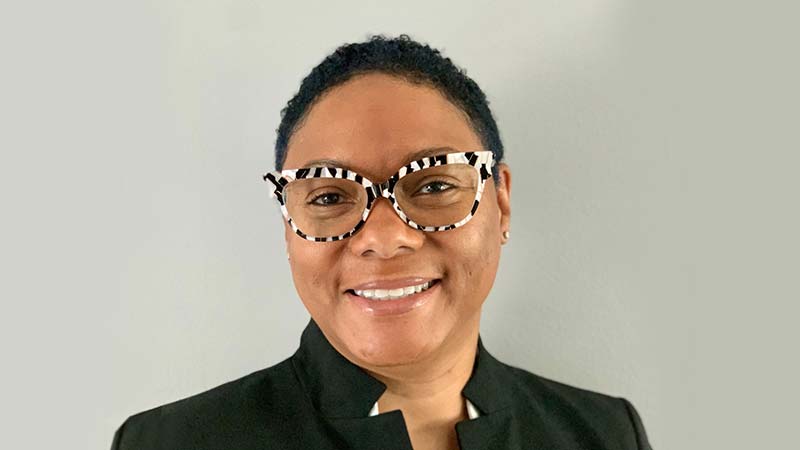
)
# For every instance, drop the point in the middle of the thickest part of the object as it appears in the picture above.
(383, 189)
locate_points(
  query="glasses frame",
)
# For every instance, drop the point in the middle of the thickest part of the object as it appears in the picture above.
(482, 161)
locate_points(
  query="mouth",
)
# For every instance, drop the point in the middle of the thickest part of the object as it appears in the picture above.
(393, 294)
(393, 298)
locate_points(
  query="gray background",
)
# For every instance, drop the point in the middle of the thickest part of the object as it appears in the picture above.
(653, 251)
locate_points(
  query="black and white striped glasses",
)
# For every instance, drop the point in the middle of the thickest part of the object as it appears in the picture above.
(436, 193)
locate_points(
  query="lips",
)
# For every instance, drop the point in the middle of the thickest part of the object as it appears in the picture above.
(393, 294)
(395, 283)
(393, 297)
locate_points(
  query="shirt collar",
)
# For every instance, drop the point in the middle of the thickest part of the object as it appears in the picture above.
(340, 389)
(472, 411)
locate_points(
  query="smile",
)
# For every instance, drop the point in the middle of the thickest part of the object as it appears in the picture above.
(394, 294)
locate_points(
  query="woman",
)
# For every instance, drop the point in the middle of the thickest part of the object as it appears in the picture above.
(397, 202)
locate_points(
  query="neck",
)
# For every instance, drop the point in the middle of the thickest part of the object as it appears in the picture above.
(429, 392)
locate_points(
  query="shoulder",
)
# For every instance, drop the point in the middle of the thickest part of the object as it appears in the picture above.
(561, 396)
(236, 408)
(588, 415)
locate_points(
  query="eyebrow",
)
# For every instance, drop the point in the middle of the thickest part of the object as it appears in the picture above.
(431, 151)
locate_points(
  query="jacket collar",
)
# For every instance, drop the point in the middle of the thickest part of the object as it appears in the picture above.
(337, 387)
(341, 389)
(343, 393)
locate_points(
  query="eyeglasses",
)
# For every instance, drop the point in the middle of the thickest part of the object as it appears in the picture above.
(436, 193)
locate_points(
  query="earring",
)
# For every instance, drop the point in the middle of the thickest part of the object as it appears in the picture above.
(506, 235)
(288, 258)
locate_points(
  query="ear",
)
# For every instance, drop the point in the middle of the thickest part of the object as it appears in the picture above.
(503, 190)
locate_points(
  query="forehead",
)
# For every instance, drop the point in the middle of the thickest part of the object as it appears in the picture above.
(375, 123)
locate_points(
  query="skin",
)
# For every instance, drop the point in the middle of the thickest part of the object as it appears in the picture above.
(373, 124)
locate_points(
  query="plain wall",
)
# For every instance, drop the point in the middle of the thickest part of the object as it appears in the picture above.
(654, 202)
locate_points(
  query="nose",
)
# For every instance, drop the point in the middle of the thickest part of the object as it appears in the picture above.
(384, 235)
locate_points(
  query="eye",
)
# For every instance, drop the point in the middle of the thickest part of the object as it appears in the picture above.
(434, 187)
(326, 199)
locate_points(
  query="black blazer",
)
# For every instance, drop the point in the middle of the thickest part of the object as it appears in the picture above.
(318, 400)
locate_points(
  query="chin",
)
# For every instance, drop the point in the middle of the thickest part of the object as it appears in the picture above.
(389, 356)
(385, 346)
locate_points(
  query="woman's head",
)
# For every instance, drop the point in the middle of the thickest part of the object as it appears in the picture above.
(404, 58)
(374, 121)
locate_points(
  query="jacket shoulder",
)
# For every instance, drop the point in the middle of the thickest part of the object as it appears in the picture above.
(237, 408)
(554, 393)
(589, 416)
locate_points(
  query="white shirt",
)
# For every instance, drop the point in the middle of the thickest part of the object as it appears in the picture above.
(472, 411)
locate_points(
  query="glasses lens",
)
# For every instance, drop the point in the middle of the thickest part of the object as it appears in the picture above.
(325, 207)
(438, 196)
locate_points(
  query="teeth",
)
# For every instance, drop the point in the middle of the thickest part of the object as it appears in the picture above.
(392, 294)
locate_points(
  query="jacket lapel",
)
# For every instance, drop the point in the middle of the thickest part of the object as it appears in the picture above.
(509, 419)
(343, 394)
(508, 429)
(386, 431)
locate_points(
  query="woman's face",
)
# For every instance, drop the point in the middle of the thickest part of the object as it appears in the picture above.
(374, 124)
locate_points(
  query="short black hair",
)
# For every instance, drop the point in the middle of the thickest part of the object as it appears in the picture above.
(402, 57)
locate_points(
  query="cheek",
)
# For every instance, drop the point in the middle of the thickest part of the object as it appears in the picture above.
(314, 271)
(482, 265)
(475, 267)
